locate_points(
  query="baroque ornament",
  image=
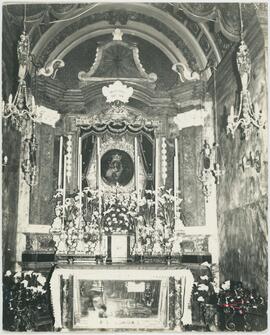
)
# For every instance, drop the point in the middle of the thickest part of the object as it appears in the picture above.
(209, 169)
(50, 69)
(117, 92)
(248, 114)
(184, 73)
(137, 18)
(22, 107)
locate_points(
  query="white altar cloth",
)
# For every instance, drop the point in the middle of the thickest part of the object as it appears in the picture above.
(122, 272)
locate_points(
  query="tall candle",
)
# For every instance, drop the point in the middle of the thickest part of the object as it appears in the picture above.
(80, 183)
(64, 191)
(138, 184)
(176, 176)
(60, 163)
(98, 174)
(156, 175)
(136, 169)
(79, 155)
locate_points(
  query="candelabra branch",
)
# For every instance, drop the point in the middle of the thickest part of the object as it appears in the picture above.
(248, 114)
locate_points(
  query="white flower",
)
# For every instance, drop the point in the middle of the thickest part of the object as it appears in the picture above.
(203, 287)
(34, 289)
(8, 273)
(18, 274)
(226, 285)
(148, 192)
(204, 277)
(25, 283)
(41, 279)
(200, 299)
(68, 202)
(206, 264)
(40, 290)
(162, 201)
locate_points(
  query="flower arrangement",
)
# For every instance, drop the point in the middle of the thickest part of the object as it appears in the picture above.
(145, 227)
(24, 294)
(119, 213)
(80, 223)
(157, 234)
(205, 290)
(228, 306)
(236, 303)
(92, 221)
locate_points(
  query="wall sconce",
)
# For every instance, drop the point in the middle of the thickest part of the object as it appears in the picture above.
(209, 168)
(4, 161)
(29, 164)
(253, 160)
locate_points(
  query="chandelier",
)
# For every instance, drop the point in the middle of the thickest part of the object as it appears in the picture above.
(22, 110)
(22, 107)
(247, 114)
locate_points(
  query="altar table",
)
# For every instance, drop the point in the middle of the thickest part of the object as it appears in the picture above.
(126, 296)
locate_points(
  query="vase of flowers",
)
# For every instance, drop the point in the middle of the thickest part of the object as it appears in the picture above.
(119, 212)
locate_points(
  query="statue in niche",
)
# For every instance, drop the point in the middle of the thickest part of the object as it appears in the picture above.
(117, 167)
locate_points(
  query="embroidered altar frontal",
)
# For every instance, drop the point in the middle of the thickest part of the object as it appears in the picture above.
(121, 297)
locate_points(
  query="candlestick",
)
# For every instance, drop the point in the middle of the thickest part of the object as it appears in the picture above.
(156, 175)
(99, 174)
(138, 184)
(136, 169)
(176, 175)
(80, 184)
(79, 155)
(60, 163)
(64, 191)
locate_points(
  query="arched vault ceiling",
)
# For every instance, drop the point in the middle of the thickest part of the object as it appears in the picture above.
(157, 23)
(81, 57)
(192, 33)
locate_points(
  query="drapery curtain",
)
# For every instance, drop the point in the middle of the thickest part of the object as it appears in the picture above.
(88, 144)
(117, 128)
(146, 152)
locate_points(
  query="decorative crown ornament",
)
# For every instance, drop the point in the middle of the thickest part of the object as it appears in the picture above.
(117, 92)
(116, 157)
(117, 34)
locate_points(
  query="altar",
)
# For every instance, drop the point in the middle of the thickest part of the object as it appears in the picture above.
(112, 297)
(118, 232)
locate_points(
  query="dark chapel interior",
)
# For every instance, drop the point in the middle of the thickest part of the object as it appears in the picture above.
(134, 166)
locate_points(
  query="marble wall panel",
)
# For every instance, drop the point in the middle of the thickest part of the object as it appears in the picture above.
(242, 193)
(11, 147)
(41, 198)
(193, 209)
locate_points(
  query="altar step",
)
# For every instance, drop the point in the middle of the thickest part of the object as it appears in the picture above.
(37, 257)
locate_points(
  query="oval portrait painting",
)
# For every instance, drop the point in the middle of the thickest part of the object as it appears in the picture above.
(117, 167)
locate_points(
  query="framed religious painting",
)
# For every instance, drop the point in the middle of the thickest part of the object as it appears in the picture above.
(117, 167)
